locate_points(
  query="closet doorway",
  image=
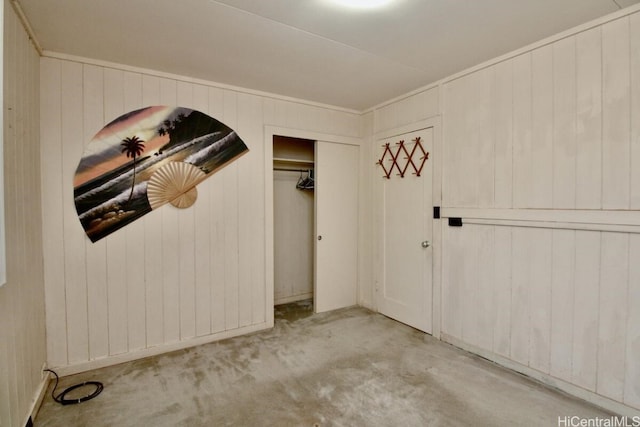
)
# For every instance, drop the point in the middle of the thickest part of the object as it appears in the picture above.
(317, 248)
(293, 213)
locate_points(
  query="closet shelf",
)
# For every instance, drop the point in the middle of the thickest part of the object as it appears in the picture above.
(296, 162)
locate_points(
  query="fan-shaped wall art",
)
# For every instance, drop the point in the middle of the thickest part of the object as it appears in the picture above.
(145, 159)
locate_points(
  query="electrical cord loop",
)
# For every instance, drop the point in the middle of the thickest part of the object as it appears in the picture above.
(60, 398)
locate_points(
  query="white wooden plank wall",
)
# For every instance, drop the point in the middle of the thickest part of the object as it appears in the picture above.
(22, 316)
(366, 232)
(567, 305)
(406, 111)
(173, 275)
(556, 127)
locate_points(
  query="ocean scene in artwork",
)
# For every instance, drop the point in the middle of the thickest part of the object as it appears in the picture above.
(110, 183)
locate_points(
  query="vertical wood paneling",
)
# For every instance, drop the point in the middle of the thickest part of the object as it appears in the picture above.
(585, 315)
(540, 298)
(467, 261)
(523, 173)
(170, 244)
(634, 63)
(451, 283)
(562, 303)
(564, 124)
(22, 313)
(542, 149)
(53, 241)
(218, 229)
(612, 321)
(202, 246)
(502, 291)
(231, 222)
(520, 276)
(153, 245)
(75, 259)
(453, 145)
(135, 241)
(502, 102)
(409, 110)
(462, 144)
(485, 151)
(116, 242)
(12, 215)
(486, 302)
(98, 289)
(187, 232)
(615, 114)
(252, 292)
(248, 112)
(632, 365)
(589, 120)
(174, 274)
(469, 145)
(565, 135)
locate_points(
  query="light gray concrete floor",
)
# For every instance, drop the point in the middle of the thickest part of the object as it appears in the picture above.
(350, 367)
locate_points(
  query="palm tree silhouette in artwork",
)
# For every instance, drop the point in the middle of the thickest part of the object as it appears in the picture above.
(132, 146)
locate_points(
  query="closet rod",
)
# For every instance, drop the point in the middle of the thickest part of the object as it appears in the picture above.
(292, 170)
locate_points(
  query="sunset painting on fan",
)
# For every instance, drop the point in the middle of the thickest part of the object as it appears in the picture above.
(145, 159)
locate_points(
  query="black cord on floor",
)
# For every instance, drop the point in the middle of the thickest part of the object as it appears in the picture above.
(61, 397)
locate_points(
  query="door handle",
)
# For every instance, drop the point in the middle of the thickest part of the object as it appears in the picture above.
(425, 244)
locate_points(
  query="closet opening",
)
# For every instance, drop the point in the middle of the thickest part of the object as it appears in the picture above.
(293, 213)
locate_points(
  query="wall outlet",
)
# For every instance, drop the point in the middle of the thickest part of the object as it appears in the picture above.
(44, 374)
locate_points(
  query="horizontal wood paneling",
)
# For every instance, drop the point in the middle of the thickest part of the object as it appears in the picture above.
(22, 314)
(174, 275)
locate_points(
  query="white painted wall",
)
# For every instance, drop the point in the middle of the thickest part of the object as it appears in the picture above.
(175, 277)
(542, 161)
(22, 322)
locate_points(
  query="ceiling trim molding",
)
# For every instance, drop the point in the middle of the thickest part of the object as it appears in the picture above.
(186, 79)
(528, 48)
(26, 25)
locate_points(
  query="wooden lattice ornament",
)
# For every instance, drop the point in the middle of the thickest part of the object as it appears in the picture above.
(417, 152)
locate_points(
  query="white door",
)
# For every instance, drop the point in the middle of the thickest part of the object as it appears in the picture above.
(336, 198)
(405, 293)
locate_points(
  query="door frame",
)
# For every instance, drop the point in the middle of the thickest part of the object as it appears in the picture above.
(269, 133)
(378, 222)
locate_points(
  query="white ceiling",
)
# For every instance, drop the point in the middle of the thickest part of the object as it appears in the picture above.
(308, 49)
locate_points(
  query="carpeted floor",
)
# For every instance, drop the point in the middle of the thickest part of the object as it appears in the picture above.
(350, 367)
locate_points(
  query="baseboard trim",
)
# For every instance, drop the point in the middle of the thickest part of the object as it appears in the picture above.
(64, 371)
(579, 392)
(38, 397)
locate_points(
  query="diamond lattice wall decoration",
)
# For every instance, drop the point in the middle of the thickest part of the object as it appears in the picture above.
(402, 158)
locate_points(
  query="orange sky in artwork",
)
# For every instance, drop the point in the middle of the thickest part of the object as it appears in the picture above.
(143, 124)
(129, 122)
(150, 147)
